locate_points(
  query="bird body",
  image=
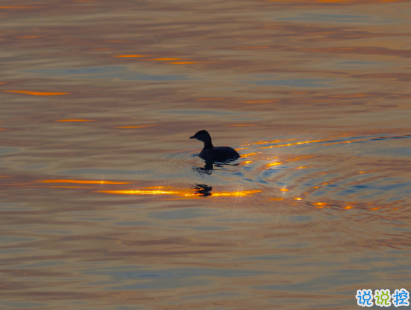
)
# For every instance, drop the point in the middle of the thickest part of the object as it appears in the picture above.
(211, 153)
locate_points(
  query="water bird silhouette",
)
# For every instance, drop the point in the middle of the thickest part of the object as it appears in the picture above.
(211, 153)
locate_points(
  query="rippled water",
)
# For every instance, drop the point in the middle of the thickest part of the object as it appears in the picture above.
(105, 203)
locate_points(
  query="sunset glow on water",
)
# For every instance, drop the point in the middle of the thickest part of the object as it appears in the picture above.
(105, 204)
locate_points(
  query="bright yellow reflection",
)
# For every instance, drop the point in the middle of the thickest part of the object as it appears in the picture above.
(290, 144)
(266, 142)
(274, 164)
(320, 203)
(183, 193)
(183, 62)
(242, 193)
(325, 142)
(248, 154)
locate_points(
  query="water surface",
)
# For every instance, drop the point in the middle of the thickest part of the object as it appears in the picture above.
(105, 203)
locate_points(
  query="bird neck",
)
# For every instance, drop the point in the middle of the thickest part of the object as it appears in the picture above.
(208, 144)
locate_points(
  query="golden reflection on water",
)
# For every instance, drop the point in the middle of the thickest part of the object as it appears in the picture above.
(30, 37)
(165, 59)
(131, 127)
(194, 192)
(208, 99)
(273, 164)
(249, 154)
(328, 142)
(240, 125)
(150, 190)
(83, 181)
(290, 144)
(75, 120)
(183, 193)
(34, 93)
(130, 56)
(360, 2)
(313, 92)
(18, 7)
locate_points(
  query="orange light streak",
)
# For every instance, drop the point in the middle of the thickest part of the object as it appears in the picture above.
(208, 99)
(320, 205)
(83, 181)
(62, 186)
(273, 141)
(130, 127)
(18, 7)
(75, 120)
(242, 193)
(30, 37)
(290, 144)
(251, 47)
(248, 154)
(274, 164)
(165, 59)
(183, 193)
(34, 93)
(130, 56)
(240, 125)
(184, 62)
(262, 101)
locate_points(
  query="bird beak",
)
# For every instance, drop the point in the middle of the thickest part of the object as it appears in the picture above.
(192, 137)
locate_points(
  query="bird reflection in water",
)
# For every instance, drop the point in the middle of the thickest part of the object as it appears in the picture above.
(211, 154)
(221, 155)
(203, 190)
(207, 169)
